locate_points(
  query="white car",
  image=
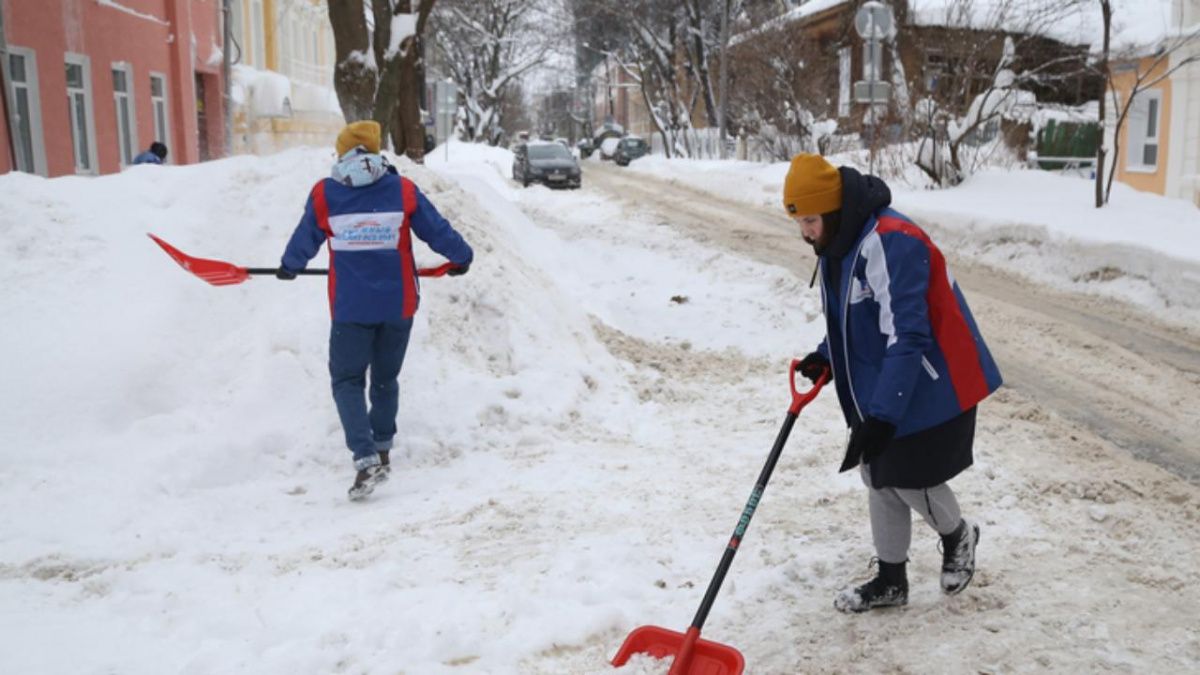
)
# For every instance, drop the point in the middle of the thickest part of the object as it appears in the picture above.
(608, 147)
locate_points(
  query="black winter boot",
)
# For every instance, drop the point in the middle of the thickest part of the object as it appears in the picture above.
(889, 588)
(384, 461)
(958, 557)
(366, 480)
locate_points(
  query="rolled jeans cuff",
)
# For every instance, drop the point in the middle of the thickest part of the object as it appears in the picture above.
(383, 446)
(367, 462)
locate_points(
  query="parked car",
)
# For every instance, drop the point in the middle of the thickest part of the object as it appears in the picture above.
(548, 163)
(629, 149)
(608, 147)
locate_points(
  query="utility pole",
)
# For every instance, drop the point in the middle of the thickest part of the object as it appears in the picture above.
(226, 73)
(723, 107)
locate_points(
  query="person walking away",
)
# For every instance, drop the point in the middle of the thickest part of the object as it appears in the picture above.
(156, 154)
(909, 366)
(367, 213)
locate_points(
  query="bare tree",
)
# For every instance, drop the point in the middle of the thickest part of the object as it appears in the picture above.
(1106, 14)
(378, 58)
(657, 59)
(488, 45)
(1008, 58)
(782, 96)
(1142, 74)
(703, 37)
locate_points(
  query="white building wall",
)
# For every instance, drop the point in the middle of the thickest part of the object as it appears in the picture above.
(1183, 160)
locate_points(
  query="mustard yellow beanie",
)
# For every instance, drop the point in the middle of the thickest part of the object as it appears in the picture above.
(813, 186)
(365, 133)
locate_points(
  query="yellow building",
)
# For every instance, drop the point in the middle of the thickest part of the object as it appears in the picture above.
(283, 54)
(1160, 140)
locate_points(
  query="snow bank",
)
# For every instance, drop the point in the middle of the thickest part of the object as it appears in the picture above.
(1141, 247)
(267, 93)
(158, 433)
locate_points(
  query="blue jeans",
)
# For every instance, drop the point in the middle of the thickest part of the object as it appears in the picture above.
(353, 348)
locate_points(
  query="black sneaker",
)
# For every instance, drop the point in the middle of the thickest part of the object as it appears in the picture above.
(958, 558)
(889, 588)
(366, 480)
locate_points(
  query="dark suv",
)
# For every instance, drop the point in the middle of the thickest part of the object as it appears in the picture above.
(551, 164)
(629, 149)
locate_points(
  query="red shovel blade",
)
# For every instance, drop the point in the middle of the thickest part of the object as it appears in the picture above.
(706, 658)
(214, 272)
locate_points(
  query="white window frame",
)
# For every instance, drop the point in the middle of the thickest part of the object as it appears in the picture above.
(33, 95)
(257, 22)
(237, 27)
(1137, 136)
(162, 132)
(89, 122)
(844, 84)
(126, 142)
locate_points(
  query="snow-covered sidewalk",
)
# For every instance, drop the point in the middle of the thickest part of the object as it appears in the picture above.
(583, 416)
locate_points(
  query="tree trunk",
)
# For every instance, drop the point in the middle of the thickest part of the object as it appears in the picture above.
(1106, 10)
(353, 77)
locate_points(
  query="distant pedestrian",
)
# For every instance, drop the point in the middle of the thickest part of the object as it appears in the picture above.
(367, 212)
(908, 363)
(157, 154)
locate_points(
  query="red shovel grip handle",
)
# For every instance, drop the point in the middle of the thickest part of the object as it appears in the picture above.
(801, 399)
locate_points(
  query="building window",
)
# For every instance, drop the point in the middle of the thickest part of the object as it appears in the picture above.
(256, 19)
(25, 108)
(236, 29)
(158, 102)
(122, 74)
(1144, 135)
(79, 107)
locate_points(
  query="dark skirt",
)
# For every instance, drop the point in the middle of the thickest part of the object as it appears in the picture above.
(927, 458)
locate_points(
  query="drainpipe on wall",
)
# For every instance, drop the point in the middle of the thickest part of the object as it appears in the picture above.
(8, 122)
(226, 78)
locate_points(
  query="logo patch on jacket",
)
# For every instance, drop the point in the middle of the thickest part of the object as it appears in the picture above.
(366, 231)
(860, 290)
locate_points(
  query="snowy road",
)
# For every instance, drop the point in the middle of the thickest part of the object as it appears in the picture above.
(1102, 364)
(582, 418)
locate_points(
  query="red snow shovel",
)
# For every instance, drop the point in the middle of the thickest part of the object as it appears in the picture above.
(220, 273)
(694, 656)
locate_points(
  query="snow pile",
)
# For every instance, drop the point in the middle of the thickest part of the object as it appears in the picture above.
(179, 471)
(266, 92)
(582, 417)
(1141, 247)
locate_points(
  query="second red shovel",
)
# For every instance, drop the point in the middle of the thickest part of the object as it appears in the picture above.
(694, 656)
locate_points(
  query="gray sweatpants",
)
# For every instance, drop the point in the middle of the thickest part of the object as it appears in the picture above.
(891, 520)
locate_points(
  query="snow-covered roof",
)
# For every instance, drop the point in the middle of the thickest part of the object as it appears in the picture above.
(794, 14)
(1137, 24)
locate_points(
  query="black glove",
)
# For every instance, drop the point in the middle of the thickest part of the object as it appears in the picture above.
(812, 366)
(458, 270)
(867, 441)
(284, 274)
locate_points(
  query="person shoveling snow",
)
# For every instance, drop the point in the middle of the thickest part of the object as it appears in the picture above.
(908, 363)
(368, 213)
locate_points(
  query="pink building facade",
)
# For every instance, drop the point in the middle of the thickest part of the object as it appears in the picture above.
(92, 83)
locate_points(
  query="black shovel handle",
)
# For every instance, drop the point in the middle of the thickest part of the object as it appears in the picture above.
(272, 270)
(799, 400)
(439, 271)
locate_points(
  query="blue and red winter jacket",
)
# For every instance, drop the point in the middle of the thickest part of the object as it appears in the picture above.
(372, 273)
(900, 337)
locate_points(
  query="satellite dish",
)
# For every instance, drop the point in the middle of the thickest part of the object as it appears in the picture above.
(874, 21)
